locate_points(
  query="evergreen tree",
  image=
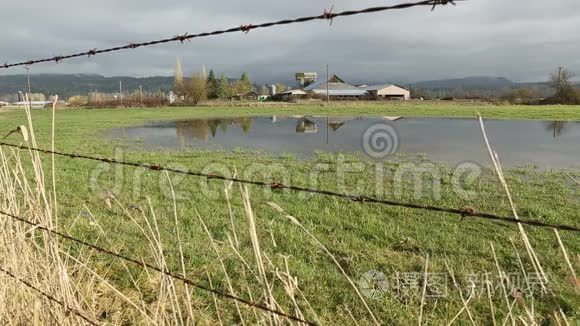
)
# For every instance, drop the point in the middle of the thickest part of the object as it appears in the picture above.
(245, 83)
(212, 85)
(223, 87)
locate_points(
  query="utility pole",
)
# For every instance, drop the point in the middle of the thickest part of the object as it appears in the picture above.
(560, 80)
(141, 93)
(327, 91)
(29, 88)
(91, 92)
(121, 91)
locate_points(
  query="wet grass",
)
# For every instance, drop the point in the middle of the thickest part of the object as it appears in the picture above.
(362, 237)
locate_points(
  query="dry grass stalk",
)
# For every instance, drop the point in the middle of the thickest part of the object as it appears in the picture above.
(458, 288)
(499, 172)
(424, 292)
(295, 221)
(503, 288)
(220, 258)
(573, 278)
(530, 250)
(490, 301)
(257, 250)
(573, 179)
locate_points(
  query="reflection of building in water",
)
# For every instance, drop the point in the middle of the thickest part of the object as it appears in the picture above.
(336, 122)
(278, 118)
(391, 118)
(306, 126)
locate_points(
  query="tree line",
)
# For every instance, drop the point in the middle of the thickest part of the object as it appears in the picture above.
(201, 86)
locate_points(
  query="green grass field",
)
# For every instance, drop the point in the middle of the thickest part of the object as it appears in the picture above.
(362, 237)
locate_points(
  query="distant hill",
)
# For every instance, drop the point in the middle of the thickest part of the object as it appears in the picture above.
(467, 83)
(80, 84)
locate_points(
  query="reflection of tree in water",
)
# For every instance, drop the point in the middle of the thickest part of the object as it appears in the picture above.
(556, 127)
(213, 125)
(194, 129)
(245, 123)
(201, 128)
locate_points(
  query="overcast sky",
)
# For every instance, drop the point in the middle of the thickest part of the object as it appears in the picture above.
(523, 40)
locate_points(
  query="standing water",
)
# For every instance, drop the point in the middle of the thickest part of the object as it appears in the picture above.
(548, 144)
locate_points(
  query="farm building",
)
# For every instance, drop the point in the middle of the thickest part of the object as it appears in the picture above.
(337, 89)
(250, 96)
(387, 92)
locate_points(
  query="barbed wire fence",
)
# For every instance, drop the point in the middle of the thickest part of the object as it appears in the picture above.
(51, 298)
(158, 269)
(463, 212)
(327, 15)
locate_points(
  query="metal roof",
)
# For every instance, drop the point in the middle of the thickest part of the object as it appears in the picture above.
(294, 92)
(332, 86)
(379, 87)
(334, 82)
(376, 87)
(341, 92)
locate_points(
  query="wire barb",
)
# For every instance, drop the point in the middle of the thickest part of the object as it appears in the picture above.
(246, 28)
(329, 15)
(441, 3)
(276, 186)
(467, 211)
(182, 38)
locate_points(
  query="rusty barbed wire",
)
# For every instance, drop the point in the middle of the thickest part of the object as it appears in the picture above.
(50, 297)
(328, 15)
(463, 212)
(173, 275)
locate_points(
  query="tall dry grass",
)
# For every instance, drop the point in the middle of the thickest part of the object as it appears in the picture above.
(74, 290)
(70, 290)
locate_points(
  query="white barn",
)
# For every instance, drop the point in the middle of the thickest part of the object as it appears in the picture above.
(388, 92)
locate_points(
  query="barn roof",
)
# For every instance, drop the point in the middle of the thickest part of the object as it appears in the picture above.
(334, 83)
(379, 87)
(341, 92)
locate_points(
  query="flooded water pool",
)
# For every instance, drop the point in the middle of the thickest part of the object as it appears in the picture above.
(547, 144)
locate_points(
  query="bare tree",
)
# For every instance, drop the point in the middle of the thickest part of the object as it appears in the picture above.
(179, 86)
(197, 90)
(562, 84)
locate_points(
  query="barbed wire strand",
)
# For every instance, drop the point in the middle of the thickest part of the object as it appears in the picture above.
(49, 297)
(246, 28)
(158, 269)
(463, 212)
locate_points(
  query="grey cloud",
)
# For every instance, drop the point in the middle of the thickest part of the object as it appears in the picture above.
(520, 39)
